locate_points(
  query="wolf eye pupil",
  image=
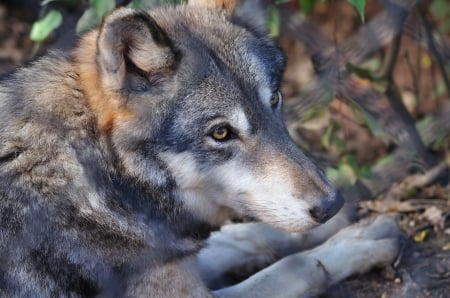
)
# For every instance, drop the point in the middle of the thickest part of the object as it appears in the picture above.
(275, 99)
(220, 133)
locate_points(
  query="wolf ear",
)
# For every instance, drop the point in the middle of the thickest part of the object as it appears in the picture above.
(250, 13)
(131, 42)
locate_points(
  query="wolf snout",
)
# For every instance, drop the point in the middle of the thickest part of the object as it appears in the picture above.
(327, 208)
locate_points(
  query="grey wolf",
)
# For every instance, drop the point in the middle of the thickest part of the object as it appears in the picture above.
(118, 158)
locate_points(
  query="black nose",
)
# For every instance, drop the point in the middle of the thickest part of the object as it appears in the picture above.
(327, 208)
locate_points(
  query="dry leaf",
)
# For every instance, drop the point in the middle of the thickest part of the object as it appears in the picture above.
(421, 236)
(433, 215)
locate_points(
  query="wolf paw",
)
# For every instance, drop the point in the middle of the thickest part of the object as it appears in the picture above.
(355, 249)
(239, 250)
(360, 247)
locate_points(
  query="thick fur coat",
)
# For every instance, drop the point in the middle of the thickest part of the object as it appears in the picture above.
(119, 157)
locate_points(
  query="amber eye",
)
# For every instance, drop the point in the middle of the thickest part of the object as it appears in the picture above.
(220, 133)
(275, 99)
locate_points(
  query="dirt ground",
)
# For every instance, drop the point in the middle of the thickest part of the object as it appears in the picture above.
(422, 210)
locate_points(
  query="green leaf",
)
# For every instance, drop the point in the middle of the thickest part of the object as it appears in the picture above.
(314, 112)
(424, 122)
(147, 4)
(136, 4)
(332, 174)
(440, 89)
(87, 21)
(373, 125)
(359, 71)
(339, 144)
(328, 93)
(101, 7)
(42, 28)
(307, 5)
(326, 137)
(365, 118)
(366, 172)
(273, 22)
(372, 64)
(350, 160)
(341, 177)
(359, 5)
(348, 173)
(445, 27)
(384, 161)
(94, 14)
(440, 8)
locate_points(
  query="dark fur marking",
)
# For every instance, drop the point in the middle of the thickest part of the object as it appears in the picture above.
(157, 32)
(10, 156)
(61, 270)
(137, 79)
(102, 235)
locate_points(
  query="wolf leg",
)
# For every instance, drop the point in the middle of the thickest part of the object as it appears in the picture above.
(355, 249)
(243, 249)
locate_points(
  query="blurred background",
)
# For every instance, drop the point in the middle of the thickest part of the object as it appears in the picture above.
(366, 95)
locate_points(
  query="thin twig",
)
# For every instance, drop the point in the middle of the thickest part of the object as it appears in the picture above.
(419, 68)
(430, 176)
(433, 49)
(395, 99)
(397, 165)
(414, 75)
(434, 84)
(391, 59)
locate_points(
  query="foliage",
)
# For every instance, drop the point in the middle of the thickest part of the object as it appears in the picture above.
(94, 14)
(348, 171)
(441, 10)
(273, 22)
(96, 10)
(43, 27)
(307, 5)
(360, 5)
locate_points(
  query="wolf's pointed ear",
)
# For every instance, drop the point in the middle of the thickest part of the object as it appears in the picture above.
(250, 13)
(131, 42)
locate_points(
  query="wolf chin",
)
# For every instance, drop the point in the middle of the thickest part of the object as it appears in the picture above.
(119, 158)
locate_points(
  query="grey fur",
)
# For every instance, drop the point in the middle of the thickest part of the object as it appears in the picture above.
(87, 210)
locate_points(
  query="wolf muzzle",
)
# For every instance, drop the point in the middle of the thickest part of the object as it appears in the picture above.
(326, 209)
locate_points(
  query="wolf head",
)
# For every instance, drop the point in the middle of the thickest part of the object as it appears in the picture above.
(188, 99)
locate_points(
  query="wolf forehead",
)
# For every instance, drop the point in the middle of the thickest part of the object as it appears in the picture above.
(221, 48)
